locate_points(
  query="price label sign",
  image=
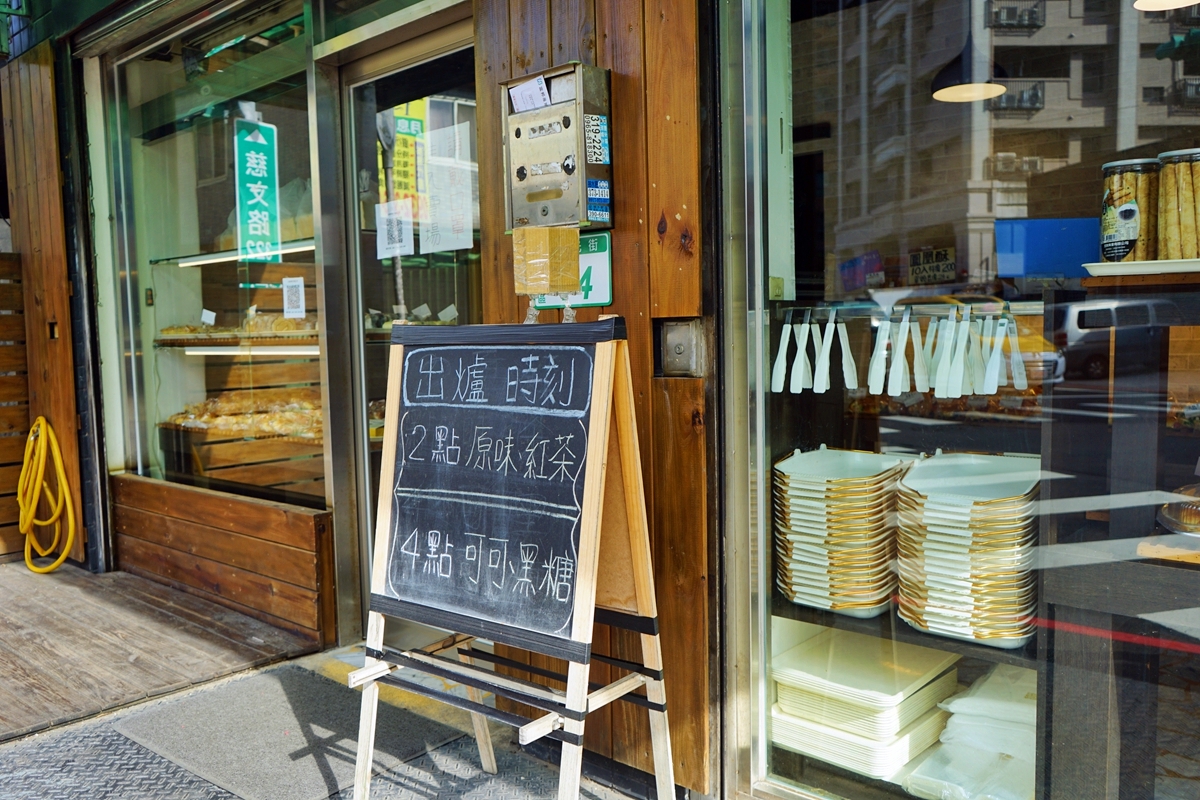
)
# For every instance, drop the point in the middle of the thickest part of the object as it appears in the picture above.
(595, 275)
(256, 159)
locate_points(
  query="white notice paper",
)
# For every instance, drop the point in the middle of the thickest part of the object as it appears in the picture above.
(447, 211)
(208, 317)
(529, 95)
(293, 298)
(394, 229)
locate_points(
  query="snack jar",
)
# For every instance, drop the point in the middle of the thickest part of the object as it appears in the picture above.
(1129, 228)
(1178, 185)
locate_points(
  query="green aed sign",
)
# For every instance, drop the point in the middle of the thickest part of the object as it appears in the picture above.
(256, 159)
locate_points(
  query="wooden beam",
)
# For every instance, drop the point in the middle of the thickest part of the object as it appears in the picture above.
(542, 726)
(615, 690)
(370, 673)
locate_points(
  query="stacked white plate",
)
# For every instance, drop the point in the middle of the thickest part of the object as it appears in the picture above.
(860, 702)
(835, 529)
(966, 547)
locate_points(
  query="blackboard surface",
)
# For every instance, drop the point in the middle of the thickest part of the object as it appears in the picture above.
(489, 477)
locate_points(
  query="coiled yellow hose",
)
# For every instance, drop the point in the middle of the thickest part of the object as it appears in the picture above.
(29, 494)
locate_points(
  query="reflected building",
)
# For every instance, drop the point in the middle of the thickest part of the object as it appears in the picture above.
(1088, 81)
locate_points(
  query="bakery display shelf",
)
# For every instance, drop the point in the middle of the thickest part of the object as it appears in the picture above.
(218, 434)
(228, 256)
(890, 626)
(273, 339)
(315, 441)
(385, 334)
(1175, 266)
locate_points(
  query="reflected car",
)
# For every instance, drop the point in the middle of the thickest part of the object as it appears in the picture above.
(1044, 362)
(1084, 329)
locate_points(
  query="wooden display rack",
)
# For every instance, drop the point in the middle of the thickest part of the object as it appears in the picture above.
(612, 530)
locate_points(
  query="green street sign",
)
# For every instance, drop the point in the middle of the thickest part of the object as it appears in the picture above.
(256, 159)
(595, 275)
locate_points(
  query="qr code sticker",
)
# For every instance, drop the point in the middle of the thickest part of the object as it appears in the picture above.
(393, 233)
(595, 138)
(293, 298)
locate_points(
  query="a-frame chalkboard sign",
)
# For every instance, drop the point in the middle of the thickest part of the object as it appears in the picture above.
(511, 509)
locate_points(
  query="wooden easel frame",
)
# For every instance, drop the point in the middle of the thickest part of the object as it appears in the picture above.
(613, 528)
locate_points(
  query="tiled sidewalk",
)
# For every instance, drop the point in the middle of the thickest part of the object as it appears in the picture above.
(90, 760)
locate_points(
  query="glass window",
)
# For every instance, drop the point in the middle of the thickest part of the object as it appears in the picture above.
(215, 239)
(1133, 314)
(417, 218)
(976, 398)
(1096, 318)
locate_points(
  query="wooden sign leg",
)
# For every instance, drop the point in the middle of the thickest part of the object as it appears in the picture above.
(571, 767)
(366, 719)
(483, 736)
(660, 732)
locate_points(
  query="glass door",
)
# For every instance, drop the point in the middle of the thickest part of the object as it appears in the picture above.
(413, 186)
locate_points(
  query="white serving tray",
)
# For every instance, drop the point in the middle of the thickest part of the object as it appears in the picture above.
(1165, 266)
(822, 465)
(966, 478)
(865, 670)
(878, 759)
(860, 721)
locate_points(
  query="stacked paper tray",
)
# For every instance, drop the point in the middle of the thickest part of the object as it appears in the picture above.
(860, 702)
(834, 515)
(858, 669)
(967, 532)
(866, 721)
(873, 757)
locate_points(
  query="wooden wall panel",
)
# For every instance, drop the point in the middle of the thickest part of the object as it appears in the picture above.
(268, 560)
(620, 49)
(492, 66)
(650, 49)
(529, 35)
(573, 33)
(14, 404)
(35, 200)
(681, 570)
(673, 163)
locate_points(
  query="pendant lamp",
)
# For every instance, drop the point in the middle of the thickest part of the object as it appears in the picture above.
(957, 82)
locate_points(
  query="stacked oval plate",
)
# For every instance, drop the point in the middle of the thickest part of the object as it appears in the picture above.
(965, 553)
(835, 529)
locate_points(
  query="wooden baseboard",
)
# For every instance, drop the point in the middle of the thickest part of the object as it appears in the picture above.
(307, 634)
(271, 561)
